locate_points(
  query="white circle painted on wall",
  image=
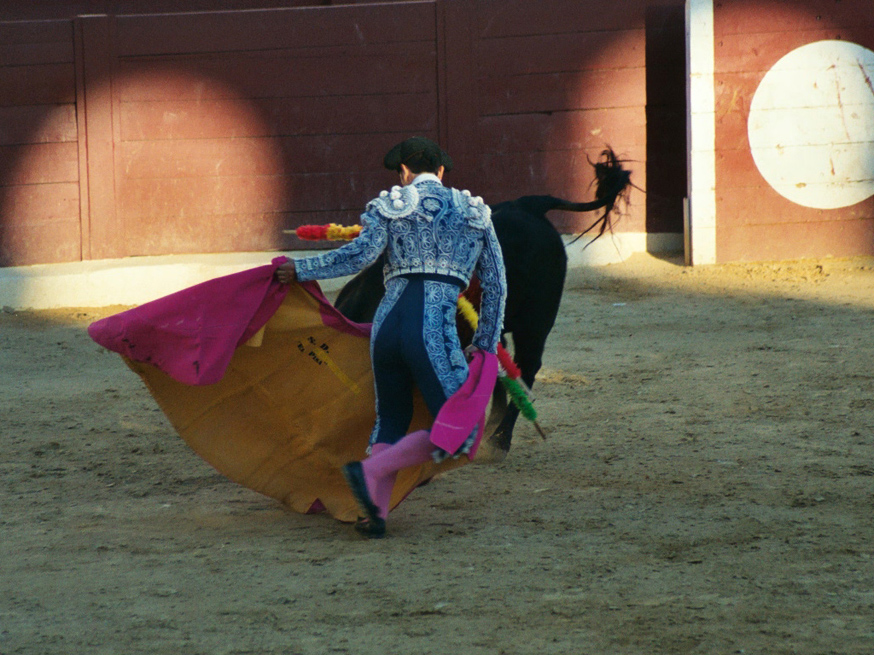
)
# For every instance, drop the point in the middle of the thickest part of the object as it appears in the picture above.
(811, 125)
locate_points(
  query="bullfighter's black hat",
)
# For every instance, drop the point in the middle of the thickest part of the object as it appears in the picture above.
(417, 150)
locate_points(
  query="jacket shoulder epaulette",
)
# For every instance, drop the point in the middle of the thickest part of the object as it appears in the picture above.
(397, 203)
(479, 214)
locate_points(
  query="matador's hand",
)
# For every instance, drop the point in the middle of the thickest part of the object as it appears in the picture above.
(286, 273)
(469, 351)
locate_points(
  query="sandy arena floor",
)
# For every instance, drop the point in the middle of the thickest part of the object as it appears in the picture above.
(707, 488)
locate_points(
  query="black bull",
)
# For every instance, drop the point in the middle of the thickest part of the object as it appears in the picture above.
(536, 265)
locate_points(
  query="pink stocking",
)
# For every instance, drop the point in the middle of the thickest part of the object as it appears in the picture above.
(380, 489)
(381, 468)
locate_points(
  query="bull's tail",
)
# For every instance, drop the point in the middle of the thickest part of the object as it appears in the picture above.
(612, 182)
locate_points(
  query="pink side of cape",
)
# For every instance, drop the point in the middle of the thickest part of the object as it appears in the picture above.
(191, 335)
(466, 408)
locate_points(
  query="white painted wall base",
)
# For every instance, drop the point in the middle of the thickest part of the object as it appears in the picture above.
(615, 248)
(127, 281)
(135, 280)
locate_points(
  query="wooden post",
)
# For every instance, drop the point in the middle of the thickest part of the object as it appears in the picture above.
(102, 237)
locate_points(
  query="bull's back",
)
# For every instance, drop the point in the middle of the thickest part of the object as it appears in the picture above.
(535, 260)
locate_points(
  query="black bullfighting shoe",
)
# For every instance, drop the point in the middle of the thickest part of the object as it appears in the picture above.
(370, 529)
(373, 525)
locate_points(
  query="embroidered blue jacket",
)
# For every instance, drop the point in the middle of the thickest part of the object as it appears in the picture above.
(425, 227)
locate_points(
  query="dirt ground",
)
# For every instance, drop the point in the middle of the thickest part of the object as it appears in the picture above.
(707, 487)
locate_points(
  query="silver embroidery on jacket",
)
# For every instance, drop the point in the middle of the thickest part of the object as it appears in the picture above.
(426, 227)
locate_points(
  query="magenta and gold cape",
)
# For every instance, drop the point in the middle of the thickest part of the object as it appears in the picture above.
(268, 383)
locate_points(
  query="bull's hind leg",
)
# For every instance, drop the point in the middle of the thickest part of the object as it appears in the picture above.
(497, 409)
(528, 345)
(489, 452)
(500, 440)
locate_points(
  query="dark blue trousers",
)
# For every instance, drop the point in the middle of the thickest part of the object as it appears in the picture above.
(414, 344)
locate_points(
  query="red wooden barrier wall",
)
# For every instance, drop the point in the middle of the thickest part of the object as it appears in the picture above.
(152, 133)
(555, 84)
(39, 161)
